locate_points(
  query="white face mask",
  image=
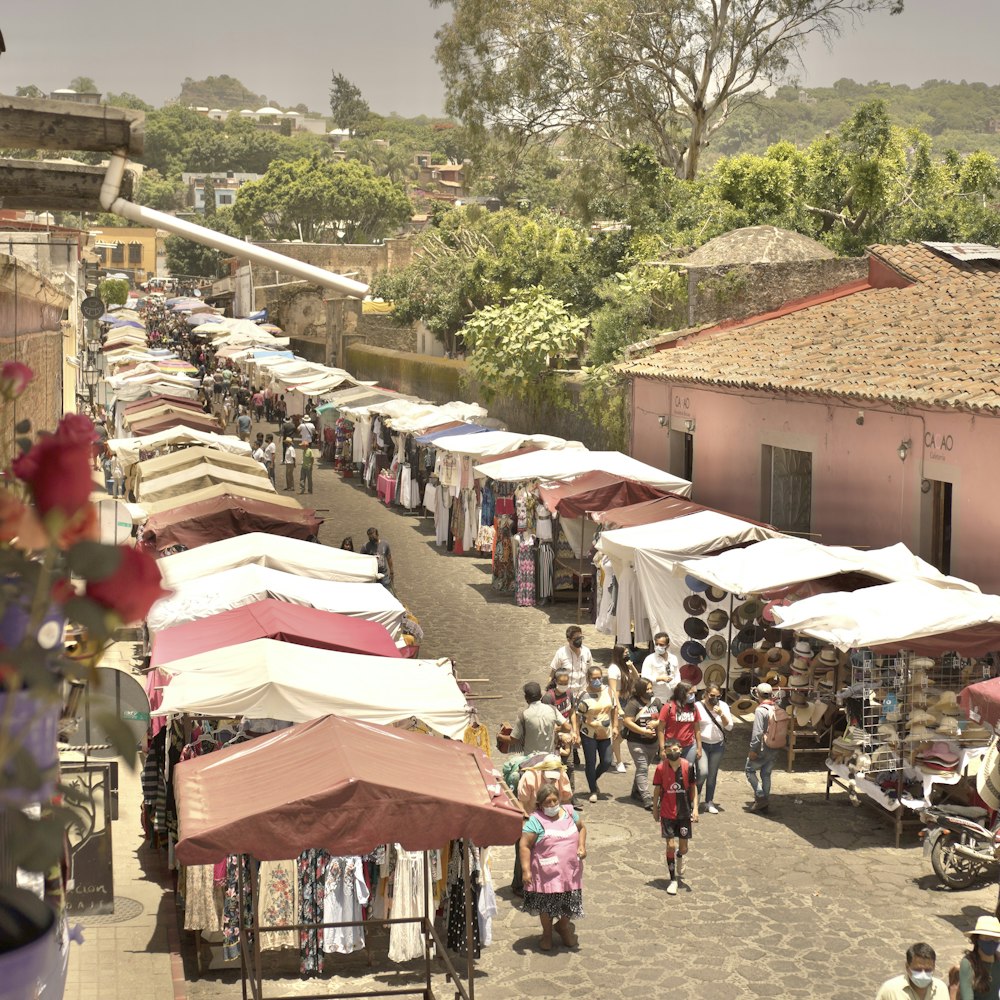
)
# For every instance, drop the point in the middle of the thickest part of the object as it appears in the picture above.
(551, 811)
(661, 650)
(919, 978)
(561, 689)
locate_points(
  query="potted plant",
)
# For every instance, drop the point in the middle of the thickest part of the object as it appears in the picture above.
(53, 573)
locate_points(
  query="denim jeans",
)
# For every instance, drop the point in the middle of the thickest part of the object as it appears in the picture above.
(642, 758)
(597, 758)
(763, 765)
(708, 773)
(690, 754)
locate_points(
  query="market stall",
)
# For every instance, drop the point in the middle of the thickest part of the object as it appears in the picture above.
(192, 478)
(218, 491)
(185, 457)
(129, 449)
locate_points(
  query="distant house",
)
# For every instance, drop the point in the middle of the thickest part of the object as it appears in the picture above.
(138, 252)
(864, 414)
(67, 94)
(226, 185)
(444, 179)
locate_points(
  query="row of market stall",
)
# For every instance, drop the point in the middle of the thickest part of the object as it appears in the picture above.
(272, 655)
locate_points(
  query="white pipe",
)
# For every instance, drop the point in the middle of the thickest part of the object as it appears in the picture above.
(110, 202)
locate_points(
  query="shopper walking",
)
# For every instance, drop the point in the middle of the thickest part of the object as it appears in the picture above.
(640, 723)
(679, 721)
(270, 453)
(559, 696)
(622, 676)
(576, 658)
(306, 470)
(376, 547)
(761, 757)
(661, 667)
(979, 970)
(288, 461)
(535, 728)
(675, 806)
(552, 848)
(595, 717)
(917, 981)
(714, 721)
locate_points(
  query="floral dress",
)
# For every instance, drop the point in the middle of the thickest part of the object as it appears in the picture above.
(278, 903)
(312, 881)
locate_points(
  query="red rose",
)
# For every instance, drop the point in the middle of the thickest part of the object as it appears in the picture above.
(132, 589)
(14, 379)
(57, 468)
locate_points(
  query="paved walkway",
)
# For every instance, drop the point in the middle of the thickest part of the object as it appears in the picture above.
(811, 900)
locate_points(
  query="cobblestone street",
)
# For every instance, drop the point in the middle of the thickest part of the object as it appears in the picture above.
(810, 900)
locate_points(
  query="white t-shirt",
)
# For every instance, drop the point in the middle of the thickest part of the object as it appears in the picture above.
(709, 725)
(655, 666)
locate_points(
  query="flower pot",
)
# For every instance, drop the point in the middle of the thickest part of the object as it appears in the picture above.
(29, 955)
(35, 725)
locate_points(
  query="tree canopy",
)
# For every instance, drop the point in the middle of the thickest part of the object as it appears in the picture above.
(347, 105)
(321, 200)
(218, 92)
(668, 74)
(190, 259)
(83, 85)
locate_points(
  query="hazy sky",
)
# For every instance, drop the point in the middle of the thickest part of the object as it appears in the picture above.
(286, 51)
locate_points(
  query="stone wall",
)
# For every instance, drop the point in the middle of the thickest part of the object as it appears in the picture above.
(443, 379)
(380, 330)
(740, 290)
(361, 261)
(315, 319)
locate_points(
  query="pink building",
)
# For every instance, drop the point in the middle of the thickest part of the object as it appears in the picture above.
(863, 416)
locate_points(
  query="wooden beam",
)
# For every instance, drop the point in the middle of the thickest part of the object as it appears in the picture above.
(38, 123)
(55, 186)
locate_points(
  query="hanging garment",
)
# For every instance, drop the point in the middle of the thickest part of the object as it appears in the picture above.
(546, 568)
(405, 940)
(478, 736)
(312, 887)
(503, 556)
(524, 585)
(487, 908)
(442, 515)
(457, 525)
(278, 902)
(470, 522)
(489, 506)
(431, 497)
(231, 906)
(606, 597)
(201, 900)
(345, 895)
(457, 930)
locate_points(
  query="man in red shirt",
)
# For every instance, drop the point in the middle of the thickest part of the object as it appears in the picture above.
(675, 806)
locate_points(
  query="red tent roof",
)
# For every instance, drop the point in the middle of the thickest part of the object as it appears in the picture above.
(271, 619)
(175, 418)
(375, 785)
(663, 508)
(595, 490)
(150, 401)
(204, 521)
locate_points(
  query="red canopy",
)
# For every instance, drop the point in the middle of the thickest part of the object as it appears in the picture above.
(150, 401)
(340, 785)
(204, 521)
(663, 508)
(983, 699)
(271, 619)
(595, 490)
(177, 417)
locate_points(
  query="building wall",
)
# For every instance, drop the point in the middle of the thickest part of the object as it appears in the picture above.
(380, 330)
(738, 290)
(365, 259)
(148, 240)
(862, 493)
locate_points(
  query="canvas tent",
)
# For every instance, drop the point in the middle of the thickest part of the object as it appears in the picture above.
(271, 619)
(259, 680)
(184, 458)
(221, 490)
(174, 418)
(245, 584)
(155, 489)
(913, 615)
(127, 449)
(205, 521)
(290, 555)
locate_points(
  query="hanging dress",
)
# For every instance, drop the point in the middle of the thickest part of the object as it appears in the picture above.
(278, 903)
(345, 895)
(405, 940)
(524, 586)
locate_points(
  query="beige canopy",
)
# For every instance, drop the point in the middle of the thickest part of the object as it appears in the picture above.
(220, 489)
(199, 476)
(184, 458)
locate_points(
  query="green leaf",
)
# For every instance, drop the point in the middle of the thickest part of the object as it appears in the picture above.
(94, 561)
(36, 844)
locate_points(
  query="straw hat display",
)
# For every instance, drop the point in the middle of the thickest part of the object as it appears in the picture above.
(714, 673)
(691, 674)
(717, 619)
(778, 659)
(751, 659)
(716, 594)
(948, 727)
(798, 681)
(975, 734)
(803, 650)
(694, 604)
(695, 628)
(798, 698)
(748, 611)
(716, 647)
(920, 718)
(946, 704)
(828, 659)
(921, 734)
(800, 666)
(695, 585)
(693, 652)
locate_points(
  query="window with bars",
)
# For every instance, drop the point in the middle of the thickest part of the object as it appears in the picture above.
(118, 254)
(135, 253)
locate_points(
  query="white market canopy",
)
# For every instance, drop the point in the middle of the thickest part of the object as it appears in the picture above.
(184, 458)
(233, 588)
(199, 476)
(259, 679)
(437, 415)
(127, 449)
(780, 562)
(289, 555)
(571, 462)
(152, 385)
(900, 615)
(500, 442)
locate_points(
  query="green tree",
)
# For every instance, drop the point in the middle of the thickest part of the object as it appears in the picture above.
(165, 194)
(127, 100)
(316, 200)
(29, 91)
(113, 291)
(347, 105)
(218, 92)
(83, 85)
(185, 257)
(514, 347)
(624, 71)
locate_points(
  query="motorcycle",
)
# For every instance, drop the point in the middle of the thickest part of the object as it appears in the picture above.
(960, 849)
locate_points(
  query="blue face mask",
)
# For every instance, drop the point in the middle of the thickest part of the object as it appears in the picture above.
(595, 683)
(988, 946)
(690, 699)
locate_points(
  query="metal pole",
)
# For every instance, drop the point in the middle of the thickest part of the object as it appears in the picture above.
(470, 951)
(239, 918)
(426, 925)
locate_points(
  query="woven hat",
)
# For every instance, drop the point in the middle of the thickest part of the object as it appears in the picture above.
(692, 652)
(800, 666)
(748, 611)
(798, 698)
(985, 927)
(803, 715)
(974, 733)
(798, 681)
(819, 712)
(751, 658)
(694, 604)
(887, 731)
(743, 705)
(691, 674)
(828, 657)
(714, 673)
(947, 704)
(988, 778)
(921, 718)
(716, 594)
(716, 647)
(803, 650)
(695, 628)
(717, 619)
(948, 726)
(778, 659)
(921, 663)
(940, 753)
(921, 734)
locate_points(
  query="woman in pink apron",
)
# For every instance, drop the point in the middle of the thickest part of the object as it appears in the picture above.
(553, 845)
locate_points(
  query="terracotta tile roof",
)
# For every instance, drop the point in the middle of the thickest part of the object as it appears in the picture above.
(936, 342)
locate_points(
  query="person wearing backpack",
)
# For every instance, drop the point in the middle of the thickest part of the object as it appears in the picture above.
(769, 734)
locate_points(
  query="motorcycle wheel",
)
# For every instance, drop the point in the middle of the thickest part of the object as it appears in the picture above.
(955, 871)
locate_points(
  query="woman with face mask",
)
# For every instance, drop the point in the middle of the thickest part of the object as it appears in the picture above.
(553, 845)
(594, 721)
(640, 721)
(979, 970)
(622, 676)
(559, 696)
(678, 720)
(714, 721)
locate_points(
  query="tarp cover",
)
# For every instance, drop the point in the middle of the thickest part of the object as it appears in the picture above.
(271, 619)
(780, 562)
(499, 442)
(160, 400)
(662, 509)
(454, 431)
(127, 449)
(593, 491)
(229, 589)
(376, 786)
(982, 701)
(177, 418)
(260, 680)
(912, 615)
(219, 517)
(221, 490)
(184, 458)
(290, 555)
(198, 477)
